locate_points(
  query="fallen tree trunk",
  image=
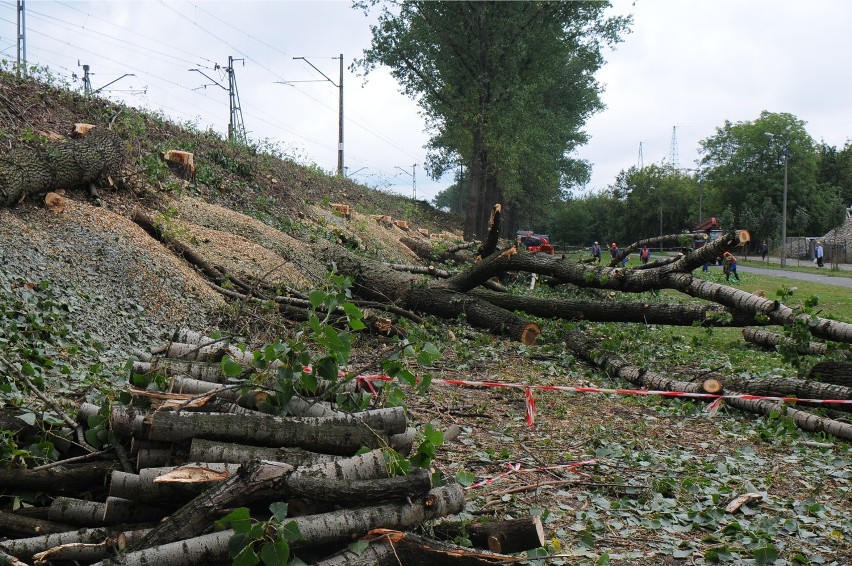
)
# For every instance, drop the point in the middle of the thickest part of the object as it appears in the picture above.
(376, 281)
(69, 479)
(838, 373)
(15, 524)
(213, 451)
(426, 251)
(332, 435)
(25, 548)
(676, 275)
(316, 530)
(673, 314)
(257, 479)
(26, 171)
(769, 339)
(615, 365)
(396, 548)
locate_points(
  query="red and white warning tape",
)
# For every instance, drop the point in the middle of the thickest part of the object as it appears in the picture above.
(530, 400)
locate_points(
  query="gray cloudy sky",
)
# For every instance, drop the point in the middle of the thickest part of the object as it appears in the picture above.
(688, 64)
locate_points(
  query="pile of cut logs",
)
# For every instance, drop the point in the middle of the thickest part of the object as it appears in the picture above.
(201, 450)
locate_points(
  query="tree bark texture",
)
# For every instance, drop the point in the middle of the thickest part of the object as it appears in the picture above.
(396, 548)
(25, 548)
(212, 451)
(615, 365)
(838, 373)
(69, 479)
(376, 281)
(115, 511)
(332, 435)
(29, 171)
(255, 479)
(769, 339)
(506, 537)
(17, 525)
(642, 312)
(323, 529)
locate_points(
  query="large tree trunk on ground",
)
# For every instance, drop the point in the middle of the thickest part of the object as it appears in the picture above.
(14, 524)
(333, 435)
(396, 548)
(615, 365)
(69, 479)
(676, 275)
(26, 171)
(838, 373)
(318, 530)
(769, 339)
(260, 480)
(379, 282)
(675, 314)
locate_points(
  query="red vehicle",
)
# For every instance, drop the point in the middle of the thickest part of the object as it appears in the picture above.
(535, 243)
(706, 231)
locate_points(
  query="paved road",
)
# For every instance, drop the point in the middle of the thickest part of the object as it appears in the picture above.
(800, 276)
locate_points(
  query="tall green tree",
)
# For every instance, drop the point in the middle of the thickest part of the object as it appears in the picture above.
(744, 166)
(505, 86)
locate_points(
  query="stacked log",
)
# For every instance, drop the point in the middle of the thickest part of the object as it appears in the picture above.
(202, 449)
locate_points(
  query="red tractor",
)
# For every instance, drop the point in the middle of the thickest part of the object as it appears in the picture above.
(535, 243)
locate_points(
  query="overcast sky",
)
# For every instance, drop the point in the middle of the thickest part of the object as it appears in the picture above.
(687, 66)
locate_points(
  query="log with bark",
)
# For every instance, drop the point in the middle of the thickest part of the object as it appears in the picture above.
(615, 365)
(505, 537)
(64, 164)
(395, 548)
(321, 530)
(771, 340)
(836, 372)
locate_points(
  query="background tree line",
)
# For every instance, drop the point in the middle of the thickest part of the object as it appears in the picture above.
(507, 88)
(739, 180)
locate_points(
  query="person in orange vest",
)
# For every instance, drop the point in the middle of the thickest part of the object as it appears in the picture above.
(644, 254)
(729, 266)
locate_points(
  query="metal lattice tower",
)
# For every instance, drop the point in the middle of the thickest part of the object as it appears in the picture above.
(641, 161)
(236, 126)
(22, 39)
(673, 151)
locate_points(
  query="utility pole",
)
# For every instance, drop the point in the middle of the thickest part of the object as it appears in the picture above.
(22, 39)
(340, 122)
(413, 180)
(87, 82)
(236, 127)
(784, 215)
(339, 85)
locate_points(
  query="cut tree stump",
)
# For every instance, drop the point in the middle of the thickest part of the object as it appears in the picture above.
(506, 537)
(25, 171)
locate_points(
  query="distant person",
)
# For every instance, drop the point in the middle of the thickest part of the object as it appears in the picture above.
(818, 252)
(613, 251)
(644, 255)
(764, 249)
(596, 252)
(729, 266)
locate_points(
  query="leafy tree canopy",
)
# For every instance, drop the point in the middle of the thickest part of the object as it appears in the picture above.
(505, 87)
